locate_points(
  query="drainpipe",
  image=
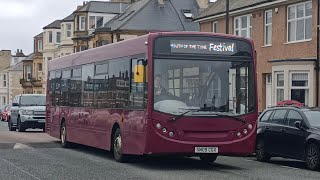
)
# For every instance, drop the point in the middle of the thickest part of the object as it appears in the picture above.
(227, 16)
(318, 58)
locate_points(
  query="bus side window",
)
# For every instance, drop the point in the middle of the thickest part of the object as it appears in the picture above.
(138, 93)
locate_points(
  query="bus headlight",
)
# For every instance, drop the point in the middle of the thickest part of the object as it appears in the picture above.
(164, 130)
(158, 125)
(250, 126)
(239, 134)
(171, 134)
(245, 131)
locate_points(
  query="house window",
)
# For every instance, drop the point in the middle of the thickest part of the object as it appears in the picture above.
(39, 67)
(28, 75)
(99, 21)
(68, 30)
(58, 37)
(300, 87)
(82, 22)
(4, 101)
(4, 81)
(268, 27)
(62, 30)
(215, 27)
(92, 22)
(95, 22)
(243, 26)
(50, 36)
(300, 21)
(39, 45)
(279, 87)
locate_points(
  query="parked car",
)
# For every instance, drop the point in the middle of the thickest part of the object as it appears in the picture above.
(1, 111)
(28, 111)
(289, 132)
(5, 115)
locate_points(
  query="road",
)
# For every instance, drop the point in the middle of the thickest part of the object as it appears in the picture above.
(34, 155)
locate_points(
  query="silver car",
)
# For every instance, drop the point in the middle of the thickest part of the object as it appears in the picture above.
(28, 111)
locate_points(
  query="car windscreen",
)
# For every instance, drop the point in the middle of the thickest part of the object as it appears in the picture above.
(313, 118)
(33, 101)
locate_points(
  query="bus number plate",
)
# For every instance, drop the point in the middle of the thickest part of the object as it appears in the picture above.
(206, 150)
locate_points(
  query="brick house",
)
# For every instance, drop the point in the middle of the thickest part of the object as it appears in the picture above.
(285, 37)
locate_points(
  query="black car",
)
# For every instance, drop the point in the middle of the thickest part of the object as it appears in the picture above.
(289, 132)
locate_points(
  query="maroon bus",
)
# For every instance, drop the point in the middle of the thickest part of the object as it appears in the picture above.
(186, 93)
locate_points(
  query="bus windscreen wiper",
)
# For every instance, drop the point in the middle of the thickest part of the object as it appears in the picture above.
(207, 110)
(229, 116)
(181, 115)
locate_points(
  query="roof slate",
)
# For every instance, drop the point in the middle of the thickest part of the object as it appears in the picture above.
(148, 15)
(54, 25)
(103, 7)
(220, 6)
(68, 18)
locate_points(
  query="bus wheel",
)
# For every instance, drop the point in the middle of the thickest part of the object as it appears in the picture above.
(117, 147)
(209, 158)
(63, 136)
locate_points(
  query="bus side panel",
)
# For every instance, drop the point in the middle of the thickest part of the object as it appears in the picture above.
(134, 136)
(55, 123)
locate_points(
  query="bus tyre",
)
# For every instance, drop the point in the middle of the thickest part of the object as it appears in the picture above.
(63, 136)
(209, 158)
(10, 126)
(261, 154)
(20, 126)
(312, 156)
(117, 147)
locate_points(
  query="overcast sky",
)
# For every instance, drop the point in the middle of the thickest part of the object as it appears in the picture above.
(21, 20)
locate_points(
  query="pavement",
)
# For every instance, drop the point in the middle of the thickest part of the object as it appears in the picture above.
(35, 155)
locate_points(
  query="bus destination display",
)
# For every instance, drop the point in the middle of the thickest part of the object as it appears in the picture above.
(202, 47)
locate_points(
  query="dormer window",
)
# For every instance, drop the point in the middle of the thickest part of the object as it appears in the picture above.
(187, 14)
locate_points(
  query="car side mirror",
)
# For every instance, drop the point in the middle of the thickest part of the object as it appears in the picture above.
(15, 104)
(298, 124)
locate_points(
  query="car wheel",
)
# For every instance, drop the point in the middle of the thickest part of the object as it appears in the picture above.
(117, 147)
(209, 158)
(261, 154)
(10, 125)
(63, 136)
(313, 156)
(20, 126)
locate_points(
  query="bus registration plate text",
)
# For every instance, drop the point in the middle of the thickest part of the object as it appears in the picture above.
(206, 150)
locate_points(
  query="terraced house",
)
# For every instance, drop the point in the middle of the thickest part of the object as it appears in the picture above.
(285, 34)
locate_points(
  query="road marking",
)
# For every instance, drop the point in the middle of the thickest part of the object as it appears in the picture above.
(20, 169)
(21, 146)
(288, 167)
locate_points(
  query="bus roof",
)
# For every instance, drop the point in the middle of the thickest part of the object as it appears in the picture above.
(124, 48)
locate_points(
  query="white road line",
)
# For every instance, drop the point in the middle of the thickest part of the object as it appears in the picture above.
(20, 169)
(288, 167)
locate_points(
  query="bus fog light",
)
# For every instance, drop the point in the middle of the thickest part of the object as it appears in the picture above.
(171, 134)
(164, 130)
(245, 131)
(250, 126)
(158, 125)
(239, 134)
